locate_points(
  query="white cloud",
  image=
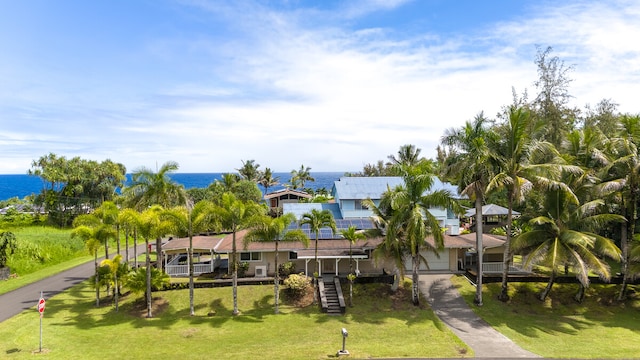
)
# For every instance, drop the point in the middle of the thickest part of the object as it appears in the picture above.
(287, 88)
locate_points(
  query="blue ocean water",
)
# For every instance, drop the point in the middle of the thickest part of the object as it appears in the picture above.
(25, 185)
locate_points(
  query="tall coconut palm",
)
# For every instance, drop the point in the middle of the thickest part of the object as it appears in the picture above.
(523, 163)
(150, 226)
(267, 180)
(155, 188)
(410, 216)
(471, 165)
(567, 235)
(108, 213)
(185, 221)
(317, 219)
(300, 177)
(235, 215)
(250, 170)
(352, 235)
(93, 237)
(622, 176)
(392, 248)
(268, 229)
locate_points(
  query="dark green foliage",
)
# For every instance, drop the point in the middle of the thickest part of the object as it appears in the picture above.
(286, 269)
(243, 267)
(8, 246)
(136, 280)
(74, 186)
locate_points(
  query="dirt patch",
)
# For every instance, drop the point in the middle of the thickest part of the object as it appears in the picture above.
(158, 306)
(300, 302)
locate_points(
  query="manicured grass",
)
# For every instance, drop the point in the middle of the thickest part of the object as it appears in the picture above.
(380, 325)
(560, 327)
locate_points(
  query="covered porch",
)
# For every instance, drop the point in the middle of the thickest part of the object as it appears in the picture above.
(205, 259)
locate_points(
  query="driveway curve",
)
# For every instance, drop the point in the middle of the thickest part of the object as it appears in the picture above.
(450, 307)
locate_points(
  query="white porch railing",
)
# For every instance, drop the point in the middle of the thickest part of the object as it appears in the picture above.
(183, 270)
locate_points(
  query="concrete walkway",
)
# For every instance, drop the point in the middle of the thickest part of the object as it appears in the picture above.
(449, 306)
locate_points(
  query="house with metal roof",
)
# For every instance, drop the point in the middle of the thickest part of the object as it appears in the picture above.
(334, 251)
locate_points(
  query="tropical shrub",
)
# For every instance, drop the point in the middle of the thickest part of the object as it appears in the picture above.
(243, 267)
(286, 269)
(7, 246)
(136, 280)
(296, 285)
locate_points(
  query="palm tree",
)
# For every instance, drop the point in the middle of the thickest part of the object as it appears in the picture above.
(150, 226)
(235, 215)
(523, 162)
(267, 229)
(93, 237)
(317, 219)
(300, 177)
(352, 235)
(267, 180)
(250, 170)
(187, 220)
(563, 237)
(623, 178)
(115, 268)
(471, 167)
(148, 188)
(411, 220)
(108, 213)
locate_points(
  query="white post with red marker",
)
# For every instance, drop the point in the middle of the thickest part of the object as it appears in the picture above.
(41, 304)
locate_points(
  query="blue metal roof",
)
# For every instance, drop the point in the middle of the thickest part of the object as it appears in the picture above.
(352, 187)
(374, 186)
(298, 209)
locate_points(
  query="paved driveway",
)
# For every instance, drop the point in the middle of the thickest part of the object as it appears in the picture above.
(449, 306)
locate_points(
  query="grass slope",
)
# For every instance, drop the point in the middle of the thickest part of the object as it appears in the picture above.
(559, 327)
(380, 325)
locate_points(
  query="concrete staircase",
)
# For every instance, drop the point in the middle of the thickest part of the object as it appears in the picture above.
(331, 298)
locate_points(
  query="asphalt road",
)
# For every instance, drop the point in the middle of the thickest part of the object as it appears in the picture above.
(26, 297)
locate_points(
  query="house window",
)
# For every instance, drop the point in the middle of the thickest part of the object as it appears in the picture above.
(293, 255)
(358, 205)
(250, 256)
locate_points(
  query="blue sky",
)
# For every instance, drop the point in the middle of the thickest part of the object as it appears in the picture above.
(328, 84)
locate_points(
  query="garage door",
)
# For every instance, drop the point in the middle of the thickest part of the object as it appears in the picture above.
(434, 262)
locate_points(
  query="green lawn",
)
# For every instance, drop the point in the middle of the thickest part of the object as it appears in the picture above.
(560, 327)
(379, 326)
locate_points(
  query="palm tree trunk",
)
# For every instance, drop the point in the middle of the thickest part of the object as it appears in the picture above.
(547, 289)
(350, 275)
(126, 245)
(624, 244)
(396, 279)
(479, 249)
(276, 282)
(148, 264)
(118, 238)
(235, 275)
(504, 291)
(115, 289)
(415, 293)
(159, 263)
(580, 295)
(97, 280)
(135, 248)
(315, 273)
(192, 310)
